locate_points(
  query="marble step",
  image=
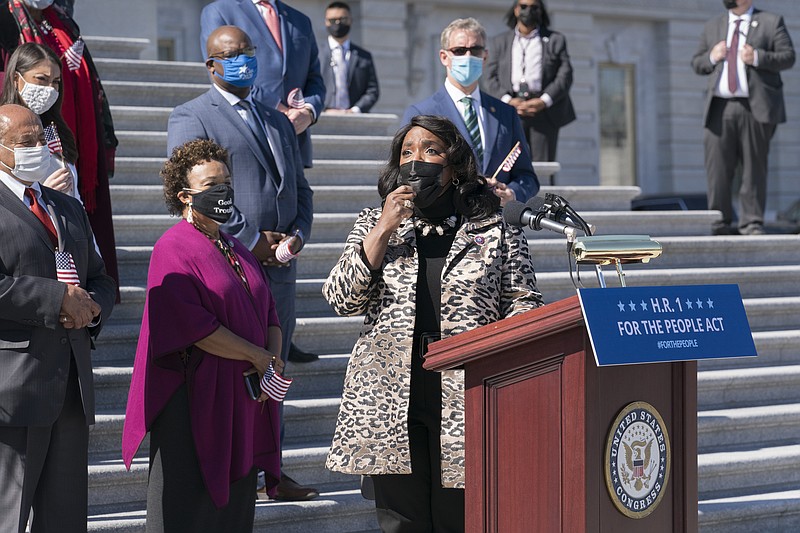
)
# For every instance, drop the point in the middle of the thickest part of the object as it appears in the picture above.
(374, 147)
(765, 512)
(152, 94)
(748, 387)
(332, 512)
(149, 71)
(356, 123)
(751, 471)
(747, 427)
(115, 47)
(774, 348)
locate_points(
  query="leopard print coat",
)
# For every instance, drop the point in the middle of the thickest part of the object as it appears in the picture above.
(488, 275)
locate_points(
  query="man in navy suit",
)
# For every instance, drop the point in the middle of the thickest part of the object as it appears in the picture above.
(287, 55)
(349, 73)
(273, 198)
(742, 51)
(491, 127)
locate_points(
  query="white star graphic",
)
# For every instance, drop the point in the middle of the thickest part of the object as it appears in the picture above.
(644, 306)
(632, 306)
(621, 307)
(710, 303)
(688, 303)
(699, 303)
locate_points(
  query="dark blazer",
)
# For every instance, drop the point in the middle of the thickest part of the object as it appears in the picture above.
(278, 73)
(556, 73)
(502, 129)
(34, 347)
(262, 201)
(768, 35)
(362, 82)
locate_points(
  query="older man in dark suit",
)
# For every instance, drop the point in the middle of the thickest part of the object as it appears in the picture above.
(54, 294)
(529, 68)
(273, 198)
(491, 127)
(349, 73)
(287, 53)
(742, 52)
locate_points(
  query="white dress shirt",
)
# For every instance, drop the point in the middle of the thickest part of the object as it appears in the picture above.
(526, 64)
(742, 90)
(337, 64)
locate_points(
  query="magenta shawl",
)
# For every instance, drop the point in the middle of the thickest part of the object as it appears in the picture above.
(191, 291)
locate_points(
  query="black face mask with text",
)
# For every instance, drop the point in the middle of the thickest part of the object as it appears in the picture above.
(432, 201)
(215, 202)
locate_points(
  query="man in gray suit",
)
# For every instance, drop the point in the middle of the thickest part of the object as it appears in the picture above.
(742, 51)
(54, 293)
(273, 198)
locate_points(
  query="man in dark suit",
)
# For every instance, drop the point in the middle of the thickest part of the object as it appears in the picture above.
(529, 68)
(491, 127)
(742, 52)
(351, 85)
(287, 54)
(273, 198)
(54, 294)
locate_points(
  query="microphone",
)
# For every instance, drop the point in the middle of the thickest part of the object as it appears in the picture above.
(519, 214)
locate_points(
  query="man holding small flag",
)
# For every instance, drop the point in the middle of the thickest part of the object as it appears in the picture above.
(54, 295)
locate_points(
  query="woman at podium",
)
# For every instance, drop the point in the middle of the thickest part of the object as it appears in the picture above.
(436, 259)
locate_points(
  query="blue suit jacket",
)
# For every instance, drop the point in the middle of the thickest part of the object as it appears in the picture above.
(262, 201)
(502, 129)
(278, 72)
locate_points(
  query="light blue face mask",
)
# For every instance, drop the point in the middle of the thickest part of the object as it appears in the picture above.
(239, 71)
(466, 69)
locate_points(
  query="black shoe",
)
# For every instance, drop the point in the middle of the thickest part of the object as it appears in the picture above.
(296, 355)
(724, 230)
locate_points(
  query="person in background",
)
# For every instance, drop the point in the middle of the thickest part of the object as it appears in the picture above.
(209, 319)
(67, 5)
(435, 260)
(742, 52)
(529, 68)
(275, 203)
(84, 107)
(351, 85)
(54, 298)
(491, 127)
(35, 82)
(288, 58)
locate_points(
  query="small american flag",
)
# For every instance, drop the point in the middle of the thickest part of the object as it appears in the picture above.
(296, 98)
(53, 140)
(274, 385)
(74, 55)
(65, 268)
(511, 158)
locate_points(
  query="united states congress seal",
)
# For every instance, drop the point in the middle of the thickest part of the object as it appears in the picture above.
(637, 460)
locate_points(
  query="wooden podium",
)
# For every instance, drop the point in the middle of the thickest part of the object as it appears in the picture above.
(538, 415)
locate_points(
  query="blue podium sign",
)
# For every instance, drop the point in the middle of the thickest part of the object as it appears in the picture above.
(630, 325)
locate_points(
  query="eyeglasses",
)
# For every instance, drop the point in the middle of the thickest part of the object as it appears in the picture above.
(249, 51)
(462, 50)
(339, 20)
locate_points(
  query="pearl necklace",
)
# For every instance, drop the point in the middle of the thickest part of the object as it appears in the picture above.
(425, 227)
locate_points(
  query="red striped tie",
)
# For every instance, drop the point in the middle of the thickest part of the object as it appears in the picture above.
(273, 23)
(43, 217)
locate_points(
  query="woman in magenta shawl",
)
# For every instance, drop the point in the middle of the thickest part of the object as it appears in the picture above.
(209, 318)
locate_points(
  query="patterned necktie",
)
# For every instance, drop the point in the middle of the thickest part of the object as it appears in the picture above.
(342, 99)
(732, 55)
(255, 125)
(43, 217)
(471, 120)
(273, 23)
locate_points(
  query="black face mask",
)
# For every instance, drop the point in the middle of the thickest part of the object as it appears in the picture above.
(215, 202)
(432, 200)
(530, 16)
(338, 30)
(729, 4)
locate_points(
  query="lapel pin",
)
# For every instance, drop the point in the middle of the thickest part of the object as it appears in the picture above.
(754, 24)
(479, 240)
(491, 109)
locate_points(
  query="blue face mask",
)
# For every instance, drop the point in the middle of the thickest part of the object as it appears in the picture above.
(239, 71)
(466, 69)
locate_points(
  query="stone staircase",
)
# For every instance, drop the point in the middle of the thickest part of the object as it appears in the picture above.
(749, 419)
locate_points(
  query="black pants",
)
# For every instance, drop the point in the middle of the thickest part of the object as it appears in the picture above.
(177, 498)
(733, 137)
(417, 503)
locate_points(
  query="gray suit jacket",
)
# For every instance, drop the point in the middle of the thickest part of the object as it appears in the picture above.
(34, 348)
(262, 201)
(362, 82)
(768, 35)
(556, 73)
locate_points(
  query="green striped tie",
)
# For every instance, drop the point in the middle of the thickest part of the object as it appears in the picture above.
(471, 120)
